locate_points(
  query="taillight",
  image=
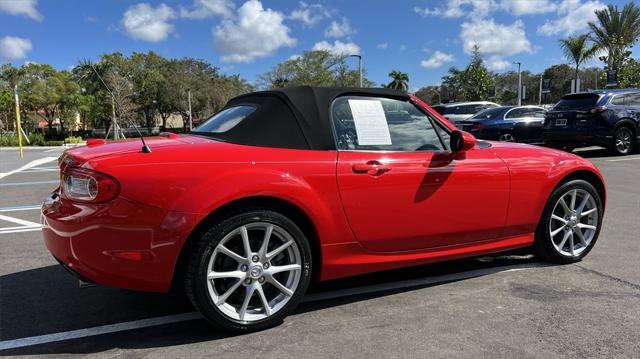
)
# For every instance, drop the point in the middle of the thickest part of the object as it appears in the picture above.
(82, 185)
(477, 126)
(598, 109)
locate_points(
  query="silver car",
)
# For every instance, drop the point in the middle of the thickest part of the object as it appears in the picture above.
(461, 111)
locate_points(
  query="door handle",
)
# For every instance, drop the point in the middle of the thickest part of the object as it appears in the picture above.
(372, 168)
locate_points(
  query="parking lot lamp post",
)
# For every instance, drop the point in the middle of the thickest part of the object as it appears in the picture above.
(519, 83)
(190, 117)
(359, 66)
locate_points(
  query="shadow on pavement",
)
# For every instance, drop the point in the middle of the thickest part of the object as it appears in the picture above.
(47, 300)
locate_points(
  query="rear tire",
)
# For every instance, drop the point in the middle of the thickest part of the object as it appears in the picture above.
(507, 137)
(232, 262)
(570, 223)
(623, 141)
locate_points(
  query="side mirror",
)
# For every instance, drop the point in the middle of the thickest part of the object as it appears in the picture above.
(461, 141)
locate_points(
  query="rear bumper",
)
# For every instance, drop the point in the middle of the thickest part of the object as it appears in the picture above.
(119, 244)
(584, 136)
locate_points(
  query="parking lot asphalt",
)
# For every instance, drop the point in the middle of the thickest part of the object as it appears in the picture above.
(494, 306)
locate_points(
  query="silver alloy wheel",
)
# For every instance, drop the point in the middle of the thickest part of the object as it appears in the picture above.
(623, 140)
(269, 276)
(573, 224)
(507, 137)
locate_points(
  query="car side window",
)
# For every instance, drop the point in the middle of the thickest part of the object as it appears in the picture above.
(619, 100)
(382, 124)
(516, 113)
(633, 99)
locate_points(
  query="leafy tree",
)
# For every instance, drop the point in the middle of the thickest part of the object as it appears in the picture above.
(476, 78)
(578, 50)
(313, 68)
(430, 94)
(615, 32)
(399, 81)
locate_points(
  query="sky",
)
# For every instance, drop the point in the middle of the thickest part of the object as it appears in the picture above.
(421, 37)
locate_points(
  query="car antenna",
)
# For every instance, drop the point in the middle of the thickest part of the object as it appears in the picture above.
(145, 148)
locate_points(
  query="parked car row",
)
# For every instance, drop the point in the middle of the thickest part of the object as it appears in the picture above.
(607, 118)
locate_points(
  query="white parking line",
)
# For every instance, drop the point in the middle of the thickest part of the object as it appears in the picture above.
(624, 159)
(28, 183)
(18, 221)
(21, 230)
(20, 208)
(31, 164)
(170, 319)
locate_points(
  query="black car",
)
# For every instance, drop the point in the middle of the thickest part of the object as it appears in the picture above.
(506, 123)
(608, 118)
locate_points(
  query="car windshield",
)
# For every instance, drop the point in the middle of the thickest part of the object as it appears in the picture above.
(488, 113)
(578, 101)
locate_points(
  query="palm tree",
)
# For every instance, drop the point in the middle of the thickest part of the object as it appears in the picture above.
(400, 81)
(578, 50)
(616, 31)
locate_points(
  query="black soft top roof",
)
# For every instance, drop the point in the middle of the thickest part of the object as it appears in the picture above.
(310, 108)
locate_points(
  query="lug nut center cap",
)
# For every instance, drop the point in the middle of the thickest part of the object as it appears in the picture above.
(256, 271)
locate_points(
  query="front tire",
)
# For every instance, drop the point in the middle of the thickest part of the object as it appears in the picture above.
(249, 271)
(570, 223)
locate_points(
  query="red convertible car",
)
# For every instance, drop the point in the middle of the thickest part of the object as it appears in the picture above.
(287, 186)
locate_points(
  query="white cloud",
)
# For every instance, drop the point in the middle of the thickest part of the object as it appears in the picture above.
(482, 8)
(339, 29)
(14, 48)
(526, 7)
(202, 9)
(495, 39)
(309, 14)
(253, 33)
(382, 45)
(437, 60)
(21, 7)
(338, 47)
(143, 21)
(294, 57)
(573, 17)
(402, 47)
(497, 63)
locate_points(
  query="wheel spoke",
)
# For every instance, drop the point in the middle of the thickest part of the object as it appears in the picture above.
(245, 241)
(574, 194)
(278, 250)
(247, 298)
(278, 269)
(279, 286)
(224, 250)
(588, 212)
(564, 206)
(555, 232)
(223, 298)
(558, 218)
(564, 239)
(587, 226)
(265, 240)
(230, 274)
(578, 232)
(583, 203)
(263, 298)
(571, 244)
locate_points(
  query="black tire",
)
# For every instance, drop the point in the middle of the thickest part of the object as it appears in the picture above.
(507, 137)
(623, 142)
(543, 244)
(196, 272)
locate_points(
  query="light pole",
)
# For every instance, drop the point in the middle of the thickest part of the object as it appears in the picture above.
(359, 66)
(519, 83)
(190, 117)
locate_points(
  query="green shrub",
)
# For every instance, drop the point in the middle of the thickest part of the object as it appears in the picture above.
(8, 140)
(72, 139)
(36, 139)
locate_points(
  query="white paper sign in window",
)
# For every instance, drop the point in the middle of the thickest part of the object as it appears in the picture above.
(370, 121)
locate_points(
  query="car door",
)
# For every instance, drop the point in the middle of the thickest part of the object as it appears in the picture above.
(526, 123)
(402, 189)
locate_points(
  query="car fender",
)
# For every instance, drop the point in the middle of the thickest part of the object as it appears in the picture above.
(628, 121)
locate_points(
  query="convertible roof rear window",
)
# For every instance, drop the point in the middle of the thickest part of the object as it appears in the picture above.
(226, 119)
